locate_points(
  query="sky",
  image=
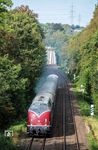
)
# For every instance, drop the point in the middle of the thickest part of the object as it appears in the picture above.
(61, 11)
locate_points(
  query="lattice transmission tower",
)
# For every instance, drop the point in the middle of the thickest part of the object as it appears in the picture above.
(72, 14)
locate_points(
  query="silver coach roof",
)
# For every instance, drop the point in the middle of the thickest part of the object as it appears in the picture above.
(49, 85)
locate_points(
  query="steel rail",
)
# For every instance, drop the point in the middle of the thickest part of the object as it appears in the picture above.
(43, 144)
(74, 122)
(30, 144)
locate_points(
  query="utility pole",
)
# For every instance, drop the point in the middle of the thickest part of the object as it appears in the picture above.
(71, 15)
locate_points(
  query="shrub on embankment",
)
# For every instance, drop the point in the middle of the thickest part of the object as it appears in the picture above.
(6, 143)
(82, 67)
(82, 60)
(91, 122)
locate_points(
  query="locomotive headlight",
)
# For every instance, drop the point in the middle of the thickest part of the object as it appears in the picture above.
(33, 116)
(31, 119)
(46, 120)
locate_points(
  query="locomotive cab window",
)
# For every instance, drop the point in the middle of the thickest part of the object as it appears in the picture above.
(39, 107)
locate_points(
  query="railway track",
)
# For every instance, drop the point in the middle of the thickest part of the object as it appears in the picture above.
(75, 129)
(59, 122)
(65, 127)
(36, 144)
(72, 142)
(69, 129)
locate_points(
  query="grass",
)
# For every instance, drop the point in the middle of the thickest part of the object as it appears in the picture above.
(11, 143)
(6, 143)
(18, 128)
(90, 122)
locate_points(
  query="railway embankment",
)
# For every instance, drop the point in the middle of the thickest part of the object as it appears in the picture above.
(91, 122)
(68, 126)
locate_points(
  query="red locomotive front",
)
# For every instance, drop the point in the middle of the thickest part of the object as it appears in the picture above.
(39, 118)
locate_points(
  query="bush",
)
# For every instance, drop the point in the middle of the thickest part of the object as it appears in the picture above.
(92, 142)
(6, 143)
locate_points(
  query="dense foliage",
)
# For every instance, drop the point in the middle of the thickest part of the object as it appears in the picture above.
(57, 36)
(6, 144)
(82, 58)
(22, 56)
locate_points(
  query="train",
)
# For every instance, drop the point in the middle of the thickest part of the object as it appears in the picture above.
(40, 112)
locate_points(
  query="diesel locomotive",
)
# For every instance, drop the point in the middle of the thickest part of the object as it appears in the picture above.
(40, 112)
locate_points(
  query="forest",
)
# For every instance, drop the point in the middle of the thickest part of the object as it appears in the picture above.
(77, 53)
(57, 36)
(22, 57)
(82, 59)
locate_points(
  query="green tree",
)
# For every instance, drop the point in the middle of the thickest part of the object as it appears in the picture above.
(22, 57)
(10, 82)
(30, 51)
(82, 51)
(4, 5)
